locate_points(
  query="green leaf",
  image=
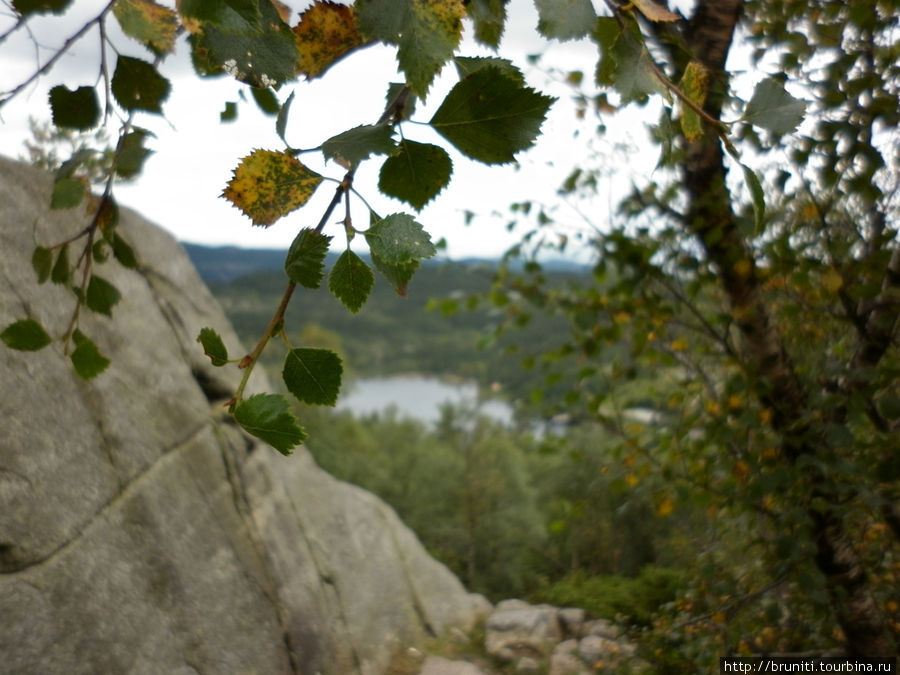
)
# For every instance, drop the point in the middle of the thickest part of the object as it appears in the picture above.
(67, 193)
(131, 153)
(565, 19)
(42, 262)
(25, 335)
(353, 146)
(758, 197)
(399, 239)
(26, 7)
(77, 109)
(772, 108)
(60, 272)
(625, 64)
(268, 417)
(282, 119)
(86, 358)
(489, 116)
(416, 174)
(101, 295)
(266, 100)
(466, 65)
(427, 32)
(213, 346)
(229, 113)
(351, 280)
(305, 261)
(396, 274)
(231, 15)
(247, 40)
(137, 85)
(313, 375)
(123, 252)
(489, 17)
(148, 22)
(268, 185)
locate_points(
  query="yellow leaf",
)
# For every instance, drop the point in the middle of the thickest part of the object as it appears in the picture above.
(735, 402)
(741, 470)
(665, 506)
(743, 268)
(679, 345)
(832, 281)
(694, 84)
(326, 33)
(632, 480)
(654, 11)
(268, 185)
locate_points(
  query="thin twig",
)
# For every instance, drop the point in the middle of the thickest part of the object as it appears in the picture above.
(80, 33)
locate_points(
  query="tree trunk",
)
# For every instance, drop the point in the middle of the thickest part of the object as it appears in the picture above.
(707, 38)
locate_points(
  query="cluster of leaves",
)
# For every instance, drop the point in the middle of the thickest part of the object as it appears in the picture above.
(488, 116)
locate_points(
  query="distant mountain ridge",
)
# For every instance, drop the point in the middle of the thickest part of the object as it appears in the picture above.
(224, 264)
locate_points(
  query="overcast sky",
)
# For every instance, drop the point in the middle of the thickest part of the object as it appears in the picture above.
(195, 153)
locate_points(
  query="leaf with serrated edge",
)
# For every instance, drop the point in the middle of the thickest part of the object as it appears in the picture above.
(351, 281)
(427, 32)
(399, 239)
(396, 274)
(137, 85)
(76, 109)
(131, 153)
(147, 22)
(466, 65)
(354, 145)
(416, 174)
(213, 346)
(327, 32)
(773, 108)
(489, 17)
(269, 418)
(86, 358)
(489, 117)
(565, 19)
(313, 375)
(305, 261)
(26, 335)
(101, 295)
(268, 185)
(261, 53)
(626, 63)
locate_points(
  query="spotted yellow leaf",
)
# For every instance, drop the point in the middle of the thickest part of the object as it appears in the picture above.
(268, 185)
(326, 33)
(694, 84)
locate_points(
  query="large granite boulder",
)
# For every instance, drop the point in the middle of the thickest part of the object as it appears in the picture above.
(140, 530)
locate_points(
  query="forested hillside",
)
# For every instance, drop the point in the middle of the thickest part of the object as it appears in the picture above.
(434, 340)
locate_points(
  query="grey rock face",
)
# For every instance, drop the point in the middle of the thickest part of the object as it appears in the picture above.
(142, 532)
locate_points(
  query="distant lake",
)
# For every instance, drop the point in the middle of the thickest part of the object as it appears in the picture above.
(418, 397)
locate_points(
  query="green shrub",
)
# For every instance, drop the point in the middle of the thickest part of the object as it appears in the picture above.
(632, 600)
